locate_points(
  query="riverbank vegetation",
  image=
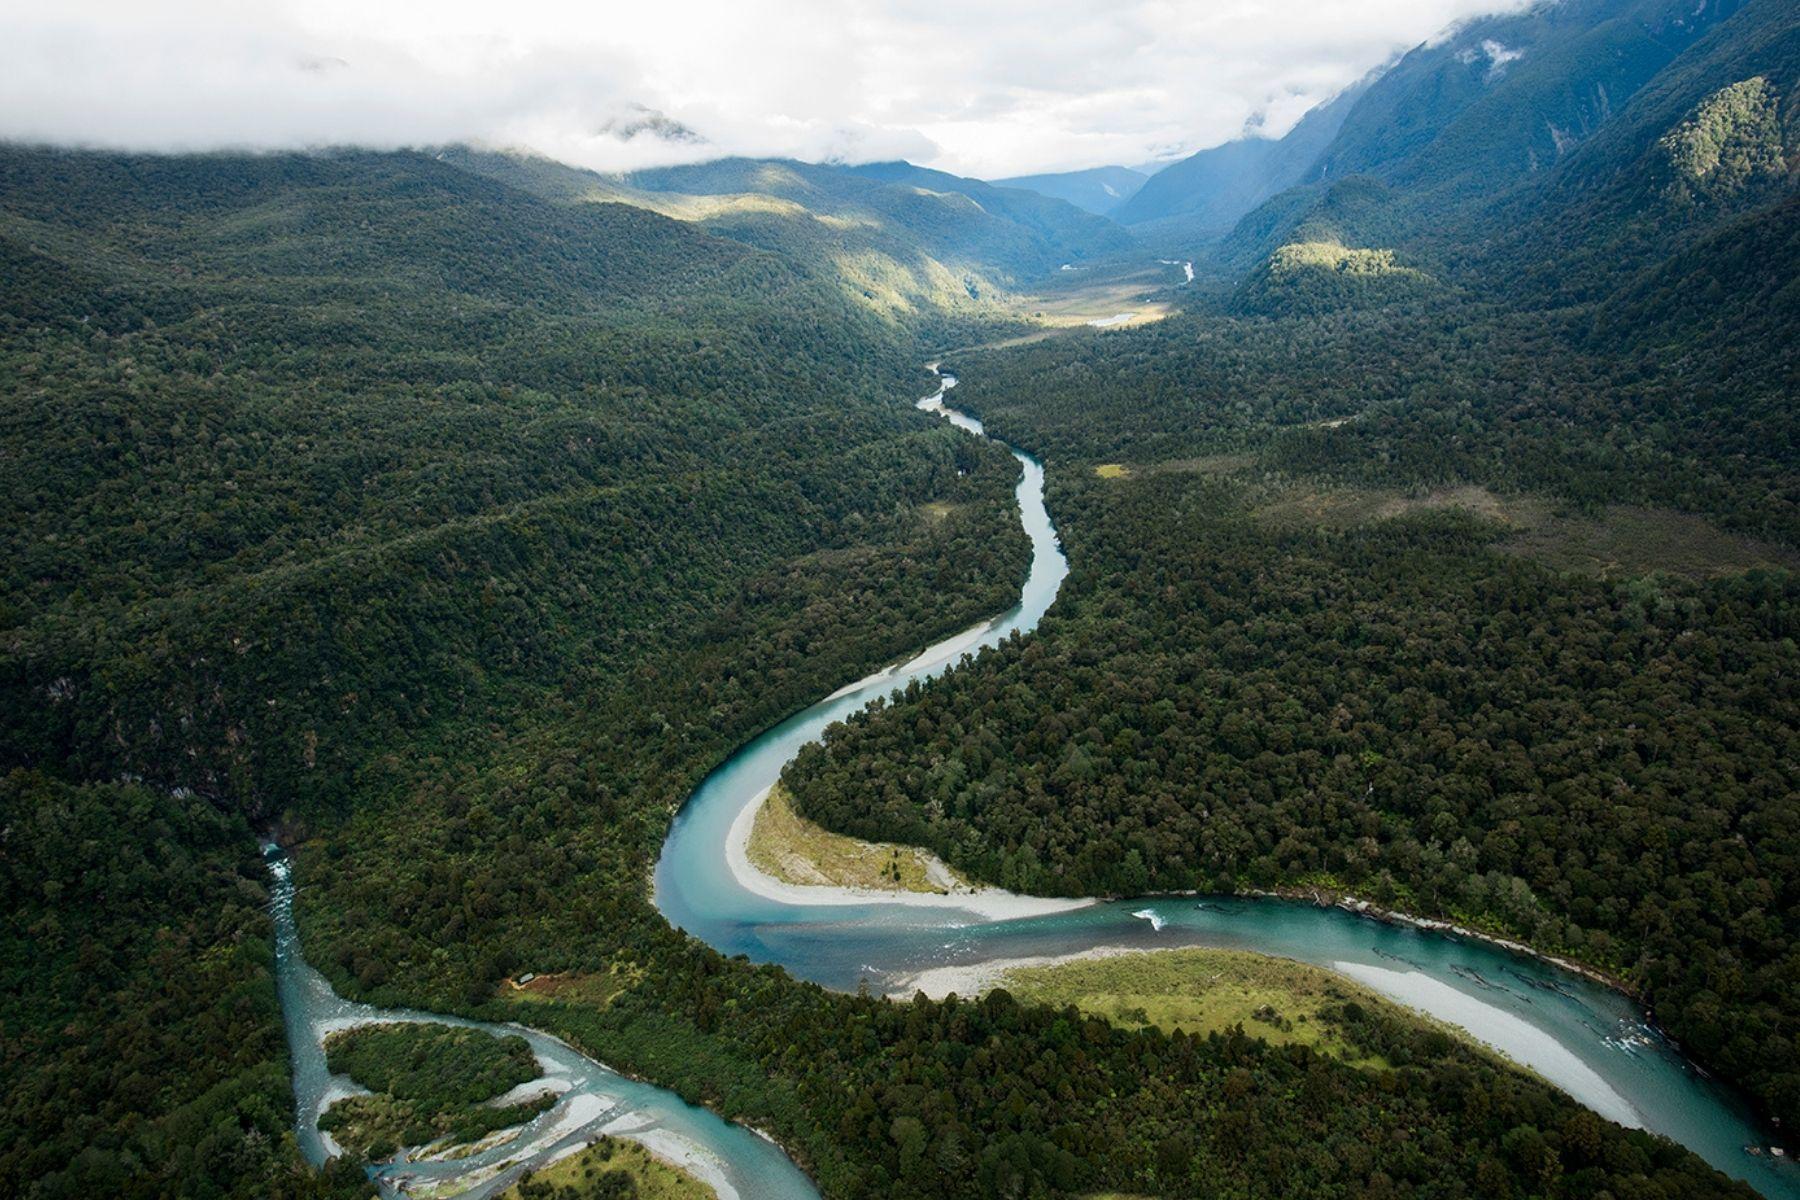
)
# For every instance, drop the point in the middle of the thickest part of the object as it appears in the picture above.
(457, 532)
(1260, 674)
(305, 520)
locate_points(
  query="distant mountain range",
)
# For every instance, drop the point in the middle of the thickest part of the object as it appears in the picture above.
(920, 248)
(1100, 190)
(1212, 189)
(1445, 141)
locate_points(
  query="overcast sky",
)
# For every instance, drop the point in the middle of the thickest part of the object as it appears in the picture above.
(977, 87)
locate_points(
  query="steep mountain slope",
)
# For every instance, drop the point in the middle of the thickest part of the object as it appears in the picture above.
(403, 218)
(1712, 140)
(1208, 191)
(1505, 96)
(1098, 190)
(1495, 106)
(918, 264)
(928, 253)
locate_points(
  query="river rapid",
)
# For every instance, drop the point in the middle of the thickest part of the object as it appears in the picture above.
(1588, 1039)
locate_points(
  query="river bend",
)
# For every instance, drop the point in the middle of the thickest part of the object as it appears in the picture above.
(1588, 1039)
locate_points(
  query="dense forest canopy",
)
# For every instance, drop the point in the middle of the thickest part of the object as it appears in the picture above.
(450, 515)
(296, 510)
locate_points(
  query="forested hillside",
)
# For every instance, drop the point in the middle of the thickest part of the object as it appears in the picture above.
(450, 531)
(905, 244)
(447, 516)
(254, 536)
(322, 465)
(1512, 127)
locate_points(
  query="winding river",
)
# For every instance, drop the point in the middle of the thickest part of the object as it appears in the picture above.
(1588, 1039)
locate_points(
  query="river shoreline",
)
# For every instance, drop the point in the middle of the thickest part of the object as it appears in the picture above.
(1360, 907)
(967, 981)
(988, 904)
(594, 1097)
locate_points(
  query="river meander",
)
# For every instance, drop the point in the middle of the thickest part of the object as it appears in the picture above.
(1588, 1039)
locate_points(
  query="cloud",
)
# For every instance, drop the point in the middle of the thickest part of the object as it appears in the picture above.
(995, 88)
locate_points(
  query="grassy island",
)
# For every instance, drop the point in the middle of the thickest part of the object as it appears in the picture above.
(1202, 991)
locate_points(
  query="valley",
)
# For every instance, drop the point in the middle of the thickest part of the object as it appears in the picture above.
(506, 690)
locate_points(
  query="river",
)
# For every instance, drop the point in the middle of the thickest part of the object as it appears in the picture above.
(738, 1164)
(1588, 1039)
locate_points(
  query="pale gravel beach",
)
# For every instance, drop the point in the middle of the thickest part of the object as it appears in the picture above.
(675, 1151)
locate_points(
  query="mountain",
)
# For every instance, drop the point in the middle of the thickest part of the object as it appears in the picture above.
(1458, 125)
(1508, 96)
(1455, 122)
(1068, 232)
(1711, 142)
(1209, 190)
(1098, 190)
(923, 250)
(321, 320)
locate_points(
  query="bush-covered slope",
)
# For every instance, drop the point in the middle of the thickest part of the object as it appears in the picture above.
(1063, 231)
(143, 1043)
(352, 492)
(1603, 767)
(320, 466)
(410, 513)
(924, 253)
